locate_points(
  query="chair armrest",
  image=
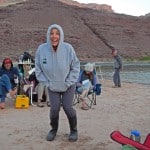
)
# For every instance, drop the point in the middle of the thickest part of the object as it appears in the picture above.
(98, 89)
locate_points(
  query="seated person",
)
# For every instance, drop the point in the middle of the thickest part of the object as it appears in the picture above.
(26, 63)
(42, 90)
(5, 87)
(87, 81)
(12, 72)
(26, 56)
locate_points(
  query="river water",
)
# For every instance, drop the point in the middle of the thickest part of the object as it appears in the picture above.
(136, 72)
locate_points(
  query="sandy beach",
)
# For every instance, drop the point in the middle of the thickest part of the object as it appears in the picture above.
(120, 109)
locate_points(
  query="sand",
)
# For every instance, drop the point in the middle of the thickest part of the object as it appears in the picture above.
(120, 109)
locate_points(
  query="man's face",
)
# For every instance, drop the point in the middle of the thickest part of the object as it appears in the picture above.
(7, 66)
(114, 53)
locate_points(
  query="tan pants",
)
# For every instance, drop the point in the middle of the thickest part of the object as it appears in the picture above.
(42, 89)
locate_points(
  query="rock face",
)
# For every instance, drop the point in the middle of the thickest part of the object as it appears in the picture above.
(102, 7)
(92, 33)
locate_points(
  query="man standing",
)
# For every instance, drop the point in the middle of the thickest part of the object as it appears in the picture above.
(117, 67)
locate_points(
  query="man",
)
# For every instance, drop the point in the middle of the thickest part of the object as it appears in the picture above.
(117, 67)
(11, 71)
(5, 87)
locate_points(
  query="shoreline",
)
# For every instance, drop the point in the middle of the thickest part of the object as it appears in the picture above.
(128, 82)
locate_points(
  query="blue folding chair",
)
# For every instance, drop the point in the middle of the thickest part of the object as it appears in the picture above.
(91, 94)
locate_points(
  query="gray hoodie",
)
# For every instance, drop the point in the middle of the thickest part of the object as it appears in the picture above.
(117, 62)
(58, 70)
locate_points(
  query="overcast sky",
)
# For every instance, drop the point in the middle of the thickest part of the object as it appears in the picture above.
(130, 7)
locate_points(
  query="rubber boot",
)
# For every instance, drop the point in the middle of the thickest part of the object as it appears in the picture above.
(73, 136)
(52, 133)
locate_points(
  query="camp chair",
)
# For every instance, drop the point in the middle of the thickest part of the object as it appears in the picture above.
(120, 138)
(91, 94)
(26, 86)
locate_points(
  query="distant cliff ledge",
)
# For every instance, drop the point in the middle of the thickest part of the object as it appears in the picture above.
(99, 7)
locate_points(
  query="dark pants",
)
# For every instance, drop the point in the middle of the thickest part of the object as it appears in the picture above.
(64, 99)
(116, 77)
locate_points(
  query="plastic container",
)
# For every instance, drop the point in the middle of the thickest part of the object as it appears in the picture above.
(135, 135)
(22, 101)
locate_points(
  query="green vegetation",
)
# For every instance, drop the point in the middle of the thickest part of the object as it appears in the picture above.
(145, 58)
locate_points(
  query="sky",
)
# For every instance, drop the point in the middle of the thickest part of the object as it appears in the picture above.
(129, 7)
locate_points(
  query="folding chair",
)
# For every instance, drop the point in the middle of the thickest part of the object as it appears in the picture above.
(26, 86)
(91, 94)
(124, 140)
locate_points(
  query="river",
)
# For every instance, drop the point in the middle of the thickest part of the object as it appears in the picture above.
(136, 72)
